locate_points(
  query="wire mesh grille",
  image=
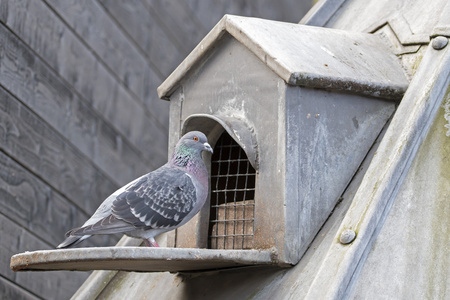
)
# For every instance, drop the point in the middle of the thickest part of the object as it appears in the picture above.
(232, 213)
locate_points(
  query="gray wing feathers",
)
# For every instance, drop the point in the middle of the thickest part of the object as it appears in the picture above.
(161, 199)
(108, 225)
(72, 241)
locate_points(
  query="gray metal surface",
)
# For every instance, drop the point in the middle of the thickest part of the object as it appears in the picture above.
(306, 56)
(141, 259)
(321, 157)
(381, 184)
(305, 140)
(410, 258)
(321, 12)
(414, 22)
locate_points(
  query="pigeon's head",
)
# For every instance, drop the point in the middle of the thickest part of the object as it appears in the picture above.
(194, 140)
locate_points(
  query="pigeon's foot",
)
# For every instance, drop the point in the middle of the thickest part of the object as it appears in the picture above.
(151, 243)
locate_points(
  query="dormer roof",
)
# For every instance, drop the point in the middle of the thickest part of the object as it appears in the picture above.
(307, 56)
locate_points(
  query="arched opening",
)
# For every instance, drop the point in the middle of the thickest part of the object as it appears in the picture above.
(232, 209)
(228, 222)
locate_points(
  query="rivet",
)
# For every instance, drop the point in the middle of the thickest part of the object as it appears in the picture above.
(439, 42)
(347, 236)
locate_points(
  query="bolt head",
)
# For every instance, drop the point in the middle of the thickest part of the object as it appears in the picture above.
(347, 236)
(439, 42)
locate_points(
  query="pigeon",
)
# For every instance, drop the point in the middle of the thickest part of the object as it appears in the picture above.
(154, 203)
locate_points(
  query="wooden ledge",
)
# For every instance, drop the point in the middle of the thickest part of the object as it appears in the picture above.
(139, 259)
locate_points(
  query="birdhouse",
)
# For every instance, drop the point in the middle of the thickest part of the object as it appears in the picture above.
(290, 111)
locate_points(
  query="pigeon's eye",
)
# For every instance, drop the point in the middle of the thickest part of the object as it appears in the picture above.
(195, 138)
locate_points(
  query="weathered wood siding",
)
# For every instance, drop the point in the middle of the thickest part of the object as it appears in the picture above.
(79, 113)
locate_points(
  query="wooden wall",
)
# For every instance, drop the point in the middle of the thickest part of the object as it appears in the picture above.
(79, 113)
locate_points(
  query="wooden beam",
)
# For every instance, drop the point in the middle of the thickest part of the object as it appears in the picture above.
(41, 149)
(142, 122)
(29, 79)
(11, 291)
(34, 205)
(55, 285)
(147, 32)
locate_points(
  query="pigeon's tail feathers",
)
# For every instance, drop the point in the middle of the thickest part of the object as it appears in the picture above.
(109, 225)
(72, 241)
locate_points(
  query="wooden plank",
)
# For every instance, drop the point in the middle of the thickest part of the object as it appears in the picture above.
(36, 206)
(95, 81)
(9, 290)
(179, 20)
(210, 12)
(36, 85)
(147, 32)
(46, 153)
(90, 21)
(57, 285)
(158, 108)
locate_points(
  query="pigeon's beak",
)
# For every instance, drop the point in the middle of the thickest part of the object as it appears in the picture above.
(207, 147)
